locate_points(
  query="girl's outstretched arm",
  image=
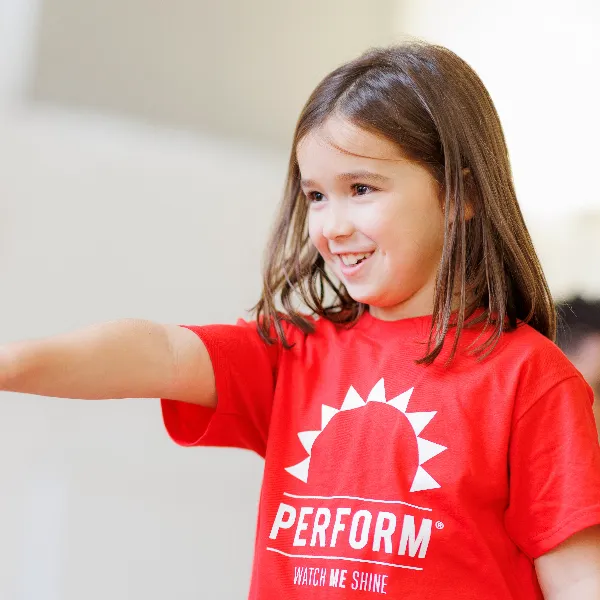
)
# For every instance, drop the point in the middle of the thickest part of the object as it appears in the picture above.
(572, 570)
(119, 359)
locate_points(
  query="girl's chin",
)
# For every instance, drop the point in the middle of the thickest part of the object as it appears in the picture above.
(364, 296)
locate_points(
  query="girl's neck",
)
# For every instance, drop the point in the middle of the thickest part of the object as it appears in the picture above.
(412, 308)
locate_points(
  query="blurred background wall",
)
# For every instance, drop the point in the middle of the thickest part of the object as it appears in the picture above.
(143, 148)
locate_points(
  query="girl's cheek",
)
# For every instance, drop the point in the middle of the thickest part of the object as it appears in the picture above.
(315, 235)
(312, 229)
(372, 221)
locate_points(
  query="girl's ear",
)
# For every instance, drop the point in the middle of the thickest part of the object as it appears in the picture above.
(470, 187)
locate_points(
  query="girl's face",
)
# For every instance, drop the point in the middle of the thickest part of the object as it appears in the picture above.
(375, 217)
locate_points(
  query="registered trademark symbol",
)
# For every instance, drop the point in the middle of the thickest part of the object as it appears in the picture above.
(439, 525)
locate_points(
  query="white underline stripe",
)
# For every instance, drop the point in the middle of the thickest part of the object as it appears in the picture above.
(355, 498)
(361, 560)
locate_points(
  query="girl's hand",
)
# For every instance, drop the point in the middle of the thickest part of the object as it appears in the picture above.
(572, 570)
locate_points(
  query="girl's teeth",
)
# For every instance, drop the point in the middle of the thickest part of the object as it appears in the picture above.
(351, 259)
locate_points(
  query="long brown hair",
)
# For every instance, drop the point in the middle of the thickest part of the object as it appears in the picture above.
(433, 105)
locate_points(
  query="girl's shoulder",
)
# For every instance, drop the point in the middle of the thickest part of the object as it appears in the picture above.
(296, 331)
(540, 365)
(529, 345)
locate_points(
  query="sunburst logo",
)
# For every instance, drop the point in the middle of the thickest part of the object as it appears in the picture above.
(353, 401)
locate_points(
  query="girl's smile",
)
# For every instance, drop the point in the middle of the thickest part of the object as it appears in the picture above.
(353, 263)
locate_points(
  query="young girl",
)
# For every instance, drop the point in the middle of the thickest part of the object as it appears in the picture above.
(423, 436)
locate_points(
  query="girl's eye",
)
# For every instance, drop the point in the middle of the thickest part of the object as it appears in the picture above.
(361, 189)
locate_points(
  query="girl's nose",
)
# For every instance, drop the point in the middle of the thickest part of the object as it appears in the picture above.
(336, 223)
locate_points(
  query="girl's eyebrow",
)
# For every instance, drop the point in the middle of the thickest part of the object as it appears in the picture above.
(351, 176)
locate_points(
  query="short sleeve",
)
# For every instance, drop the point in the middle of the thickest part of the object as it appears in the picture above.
(245, 370)
(554, 469)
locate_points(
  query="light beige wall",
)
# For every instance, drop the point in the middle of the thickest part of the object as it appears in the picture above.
(234, 68)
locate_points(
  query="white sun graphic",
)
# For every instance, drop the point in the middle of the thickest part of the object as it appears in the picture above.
(418, 420)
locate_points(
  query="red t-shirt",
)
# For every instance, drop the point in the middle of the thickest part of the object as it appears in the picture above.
(384, 477)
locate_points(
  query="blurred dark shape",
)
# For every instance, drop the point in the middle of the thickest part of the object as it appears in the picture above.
(579, 338)
(578, 320)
